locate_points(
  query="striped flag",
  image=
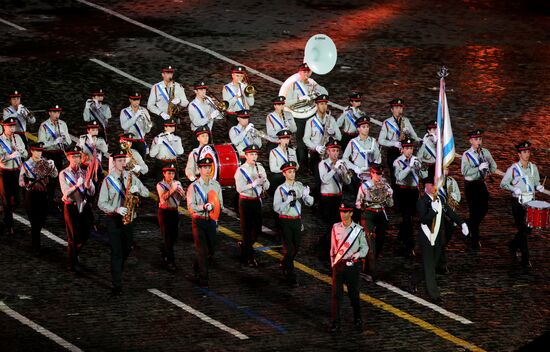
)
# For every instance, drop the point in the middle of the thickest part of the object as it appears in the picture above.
(445, 149)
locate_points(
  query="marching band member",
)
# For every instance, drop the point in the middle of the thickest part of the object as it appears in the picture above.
(333, 177)
(205, 229)
(12, 152)
(426, 152)
(279, 156)
(373, 197)
(135, 119)
(407, 174)
(361, 151)
(477, 163)
(394, 130)
(202, 110)
(243, 134)
(347, 121)
(34, 176)
(191, 169)
(522, 179)
(279, 120)
(234, 93)
(76, 188)
(347, 249)
(250, 181)
(288, 204)
(89, 143)
(127, 141)
(431, 210)
(96, 110)
(112, 201)
(319, 129)
(170, 194)
(21, 114)
(166, 147)
(166, 92)
(303, 89)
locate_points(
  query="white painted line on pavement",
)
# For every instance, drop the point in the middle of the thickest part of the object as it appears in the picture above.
(122, 73)
(39, 329)
(12, 24)
(45, 232)
(198, 314)
(424, 303)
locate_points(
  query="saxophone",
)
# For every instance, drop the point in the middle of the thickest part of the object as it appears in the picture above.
(131, 201)
(403, 135)
(173, 109)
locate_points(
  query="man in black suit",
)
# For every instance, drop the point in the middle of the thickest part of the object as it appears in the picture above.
(431, 209)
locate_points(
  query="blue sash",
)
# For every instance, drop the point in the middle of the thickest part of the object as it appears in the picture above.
(200, 192)
(359, 149)
(299, 85)
(295, 205)
(29, 169)
(395, 129)
(169, 147)
(201, 113)
(163, 94)
(72, 182)
(521, 175)
(49, 130)
(318, 125)
(20, 124)
(116, 187)
(245, 140)
(280, 154)
(8, 150)
(415, 178)
(135, 124)
(471, 157)
(349, 115)
(167, 189)
(241, 106)
(274, 117)
(334, 178)
(430, 151)
(249, 181)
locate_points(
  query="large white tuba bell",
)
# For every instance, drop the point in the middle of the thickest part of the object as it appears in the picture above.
(320, 54)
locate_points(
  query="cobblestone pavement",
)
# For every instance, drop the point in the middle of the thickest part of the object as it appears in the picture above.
(497, 53)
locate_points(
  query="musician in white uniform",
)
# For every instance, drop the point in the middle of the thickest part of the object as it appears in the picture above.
(234, 93)
(191, 169)
(426, 152)
(244, 134)
(279, 156)
(202, 110)
(347, 120)
(166, 148)
(278, 120)
(135, 119)
(522, 179)
(22, 115)
(96, 110)
(166, 92)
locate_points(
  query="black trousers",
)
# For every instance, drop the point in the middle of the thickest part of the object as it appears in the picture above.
(77, 226)
(349, 275)
(250, 213)
(441, 264)
(376, 223)
(520, 238)
(314, 160)
(169, 227)
(206, 243)
(329, 213)
(291, 230)
(407, 206)
(392, 154)
(9, 190)
(275, 180)
(58, 158)
(477, 197)
(301, 148)
(35, 203)
(121, 239)
(430, 256)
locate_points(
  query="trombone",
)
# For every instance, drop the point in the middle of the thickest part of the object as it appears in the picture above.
(220, 105)
(249, 90)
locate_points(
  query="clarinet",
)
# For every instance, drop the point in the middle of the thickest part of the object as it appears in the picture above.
(263, 194)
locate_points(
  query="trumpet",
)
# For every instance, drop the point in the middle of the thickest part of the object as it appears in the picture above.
(249, 90)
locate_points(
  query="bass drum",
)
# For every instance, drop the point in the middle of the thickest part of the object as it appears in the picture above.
(226, 162)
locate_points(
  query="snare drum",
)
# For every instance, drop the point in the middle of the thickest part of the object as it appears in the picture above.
(537, 214)
(226, 162)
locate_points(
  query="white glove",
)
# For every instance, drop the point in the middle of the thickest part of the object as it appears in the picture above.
(320, 149)
(435, 204)
(517, 191)
(248, 127)
(290, 198)
(134, 189)
(20, 108)
(51, 162)
(164, 115)
(257, 182)
(540, 188)
(136, 169)
(304, 97)
(465, 230)
(214, 114)
(208, 206)
(483, 166)
(122, 211)
(14, 155)
(80, 181)
(338, 163)
(363, 169)
(390, 191)
(306, 192)
(59, 140)
(397, 144)
(176, 101)
(330, 131)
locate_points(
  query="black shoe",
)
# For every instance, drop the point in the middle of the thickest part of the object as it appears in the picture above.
(412, 286)
(367, 277)
(292, 282)
(334, 328)
(253, 263)
(476, 246)
(443, 271)
(10, 231)
(436, 300)
(358, 325)
(116, 291)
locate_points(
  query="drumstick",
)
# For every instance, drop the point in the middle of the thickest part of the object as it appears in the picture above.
(543, 182)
